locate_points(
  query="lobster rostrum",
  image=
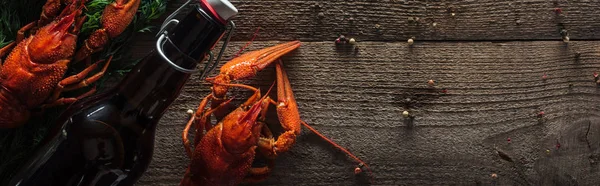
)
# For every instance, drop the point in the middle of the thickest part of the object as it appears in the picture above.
(224, 154)
(32, 75)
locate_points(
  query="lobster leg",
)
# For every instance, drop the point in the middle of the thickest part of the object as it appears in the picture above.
(22, 30)
(259, 174)
(266, 141)
(65, 101)
(87, 81)
(192, 121)
(252, 98)
(217, 101)
(200, 125)
(79, 78)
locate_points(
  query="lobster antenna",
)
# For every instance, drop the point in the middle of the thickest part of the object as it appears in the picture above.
(361, 163)
(269, 91)
(72, 7)
(248, 43)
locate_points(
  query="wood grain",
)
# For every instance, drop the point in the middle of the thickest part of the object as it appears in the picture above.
(315, 20)
(495, 91)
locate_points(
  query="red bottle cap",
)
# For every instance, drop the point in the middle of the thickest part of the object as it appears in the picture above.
(223, 10)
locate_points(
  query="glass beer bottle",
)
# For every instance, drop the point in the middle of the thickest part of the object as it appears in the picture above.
(108, 139)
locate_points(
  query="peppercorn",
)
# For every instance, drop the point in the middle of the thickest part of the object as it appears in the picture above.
(357, 170)
(558, 10)
(405, 114)
(431, 82)
(565, 35)
(352, 41)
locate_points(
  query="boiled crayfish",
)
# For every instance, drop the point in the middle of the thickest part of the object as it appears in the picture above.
(32, 76)
(224, 154)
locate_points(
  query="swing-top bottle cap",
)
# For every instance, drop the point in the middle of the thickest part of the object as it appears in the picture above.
(223, 8)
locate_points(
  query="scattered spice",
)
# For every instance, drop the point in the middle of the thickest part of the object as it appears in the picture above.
(494, 175)
(352, 41)
(410, 42)
(445, 91)
(545, 76)
(357, 170)
(378, 27)
(405, 114)
(321, 15)
(558, 10)
(341, 40)
(548, 151)
(540, 118)
(557, 145)
(565, 35)
(431, 82)
(508, 139)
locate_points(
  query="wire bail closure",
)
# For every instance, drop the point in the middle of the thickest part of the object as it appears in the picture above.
(164, 38)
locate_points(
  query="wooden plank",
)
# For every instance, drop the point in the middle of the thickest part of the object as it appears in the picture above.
(495, 91)
(473, 20)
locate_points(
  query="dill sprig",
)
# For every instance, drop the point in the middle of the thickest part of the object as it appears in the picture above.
(14, 14)
(94, 14)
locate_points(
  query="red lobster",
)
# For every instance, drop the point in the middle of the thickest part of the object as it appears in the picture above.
(32, 74)
(224, 154)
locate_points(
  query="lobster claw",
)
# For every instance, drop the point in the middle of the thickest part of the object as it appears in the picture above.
(115, 19)
(248, 64)
(245, 66)
(255, 61)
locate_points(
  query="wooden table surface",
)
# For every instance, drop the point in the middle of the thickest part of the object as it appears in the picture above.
(490, 56)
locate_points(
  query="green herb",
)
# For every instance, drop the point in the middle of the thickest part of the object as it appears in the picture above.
(94, 14)
(14, 14)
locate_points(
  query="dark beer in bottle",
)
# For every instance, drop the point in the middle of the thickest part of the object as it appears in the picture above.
(108, 139)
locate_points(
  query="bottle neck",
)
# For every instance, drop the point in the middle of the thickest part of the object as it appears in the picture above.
(154, 83)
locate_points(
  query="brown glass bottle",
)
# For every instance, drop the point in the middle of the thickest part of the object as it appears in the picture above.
(108, 139)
